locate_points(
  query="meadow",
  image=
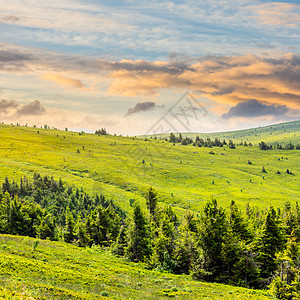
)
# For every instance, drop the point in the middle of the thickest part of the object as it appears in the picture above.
(123, 168)
(53, 270)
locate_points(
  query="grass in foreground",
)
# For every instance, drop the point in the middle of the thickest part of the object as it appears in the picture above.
(62, 271)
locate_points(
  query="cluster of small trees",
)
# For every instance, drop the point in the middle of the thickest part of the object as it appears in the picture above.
(248, 249)
(289, 146)
(101, 131)
(251, 248)
(49, 209)
(200, 142)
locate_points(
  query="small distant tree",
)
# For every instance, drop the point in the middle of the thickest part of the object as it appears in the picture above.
(101, 131)
(151, 201)
(179, 139)
(289, 146)
(184, 142)
(263, 146)
(231, 144)
(172, 138)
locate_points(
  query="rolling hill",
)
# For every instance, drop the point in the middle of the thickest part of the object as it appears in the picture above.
(123, 168)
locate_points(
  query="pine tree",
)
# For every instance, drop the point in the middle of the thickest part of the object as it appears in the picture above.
(187, 250)
(69, 233)
(151, 201)
(139, 242)
(237, 223)
(118, 248)
(46, 229)
(164, 241)
(81, 234)
(271, 241)
(212, 235)
(172, 138)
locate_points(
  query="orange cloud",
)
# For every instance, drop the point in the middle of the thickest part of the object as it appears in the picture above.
(225, 80)
(62, 81)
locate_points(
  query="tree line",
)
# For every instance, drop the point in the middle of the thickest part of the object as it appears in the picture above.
(251, 248)
(200, 142)
(289, 146)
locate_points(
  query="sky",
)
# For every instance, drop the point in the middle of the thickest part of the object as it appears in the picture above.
(137, 67)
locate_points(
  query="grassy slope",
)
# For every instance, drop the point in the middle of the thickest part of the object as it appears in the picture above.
(184, 176)
(281, 133)
(61, 271)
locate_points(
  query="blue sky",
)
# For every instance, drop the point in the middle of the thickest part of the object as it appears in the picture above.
(83, 64)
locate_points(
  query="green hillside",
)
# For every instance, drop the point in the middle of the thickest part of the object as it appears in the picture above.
(281, 133)
(123, 168)
(62, 271)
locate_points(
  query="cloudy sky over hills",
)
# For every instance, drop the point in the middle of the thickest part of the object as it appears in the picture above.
(124, 65)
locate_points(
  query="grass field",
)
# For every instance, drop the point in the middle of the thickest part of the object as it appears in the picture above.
(183, 176)
(281, 133)
(62, 271)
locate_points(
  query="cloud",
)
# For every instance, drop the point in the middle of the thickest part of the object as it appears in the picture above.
(9, 19)
(253, 108)
(13, 56)
(277, 13)
(140, 107)
(63, 81)
(13, 60)
(5, 105)
(223, 79)
(34, 108)
(267, 46)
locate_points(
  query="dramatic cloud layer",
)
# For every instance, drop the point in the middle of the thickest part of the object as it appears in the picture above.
(253, 108)
(139, 107)
(226, 80)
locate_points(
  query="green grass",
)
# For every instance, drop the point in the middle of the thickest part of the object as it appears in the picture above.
(184, 176)
(62, 271)
(281, 133)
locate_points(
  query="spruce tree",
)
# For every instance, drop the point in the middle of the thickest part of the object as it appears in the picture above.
(139, 242)
(212, 235)
(237, 223)
(271, 241)
(187, 250)
(151, 201)
(118, 248)
(69, 228)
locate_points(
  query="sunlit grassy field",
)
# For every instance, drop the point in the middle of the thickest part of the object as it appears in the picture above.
(123, 168)
(62, 271)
